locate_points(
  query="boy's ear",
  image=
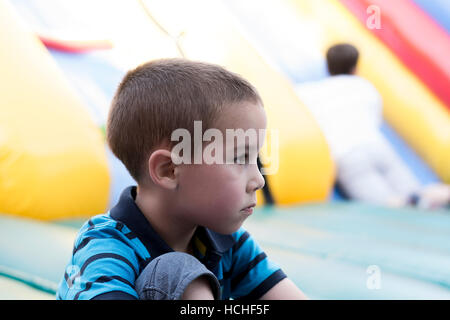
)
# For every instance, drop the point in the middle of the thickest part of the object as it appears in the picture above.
(162, 169)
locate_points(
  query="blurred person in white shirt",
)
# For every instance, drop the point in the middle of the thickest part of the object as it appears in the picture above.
(348, 109)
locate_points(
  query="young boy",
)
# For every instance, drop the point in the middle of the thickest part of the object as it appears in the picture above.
(178, 234)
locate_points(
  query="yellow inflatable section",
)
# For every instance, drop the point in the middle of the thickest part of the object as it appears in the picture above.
(409, 107)
(302, 170)
(52, 157)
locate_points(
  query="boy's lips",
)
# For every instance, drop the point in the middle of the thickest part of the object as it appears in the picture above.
(249, 209)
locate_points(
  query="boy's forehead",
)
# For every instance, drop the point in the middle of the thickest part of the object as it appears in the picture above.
(244, 115)
(243, 126)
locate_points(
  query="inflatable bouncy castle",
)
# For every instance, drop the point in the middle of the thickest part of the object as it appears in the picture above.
(56, 170)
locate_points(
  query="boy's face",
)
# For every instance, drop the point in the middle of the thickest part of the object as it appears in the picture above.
(218, 196)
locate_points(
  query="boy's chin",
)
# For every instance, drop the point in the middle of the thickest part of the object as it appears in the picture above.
(225, 230)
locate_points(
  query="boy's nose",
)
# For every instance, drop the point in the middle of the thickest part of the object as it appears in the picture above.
(257, 180)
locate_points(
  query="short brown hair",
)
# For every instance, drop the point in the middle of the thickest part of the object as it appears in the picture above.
(161, 96)
(342, 58)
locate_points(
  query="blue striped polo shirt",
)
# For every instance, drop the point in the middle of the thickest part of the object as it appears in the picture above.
(112, 249)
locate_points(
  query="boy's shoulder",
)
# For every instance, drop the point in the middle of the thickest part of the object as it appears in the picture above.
(99, 221)
(103, 253)
(104, 231)
(103, 225)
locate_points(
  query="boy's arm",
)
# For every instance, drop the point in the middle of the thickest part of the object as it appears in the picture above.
(255, 276)
(100, 268)
(114, 295)
(284, 290)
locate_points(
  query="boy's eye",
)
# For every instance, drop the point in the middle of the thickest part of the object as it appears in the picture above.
(241, 159)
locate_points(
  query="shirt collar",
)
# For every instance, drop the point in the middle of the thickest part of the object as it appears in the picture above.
(127, 212)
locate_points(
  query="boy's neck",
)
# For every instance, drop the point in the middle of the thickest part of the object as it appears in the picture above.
(159, 213)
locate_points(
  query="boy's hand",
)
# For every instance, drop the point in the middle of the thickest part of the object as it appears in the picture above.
(199, 289)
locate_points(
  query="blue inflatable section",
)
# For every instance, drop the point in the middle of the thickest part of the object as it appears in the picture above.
(94, 78)
(439, 10)
(416, 164)
(289, 44)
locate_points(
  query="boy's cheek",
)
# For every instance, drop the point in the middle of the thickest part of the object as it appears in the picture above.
(222, 172)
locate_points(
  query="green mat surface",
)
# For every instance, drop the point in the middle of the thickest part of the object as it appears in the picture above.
(328, 250)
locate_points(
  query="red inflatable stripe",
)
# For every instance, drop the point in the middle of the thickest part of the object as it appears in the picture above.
(75, 46)
(420, 43)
